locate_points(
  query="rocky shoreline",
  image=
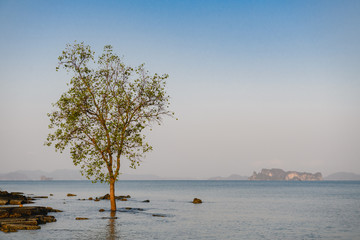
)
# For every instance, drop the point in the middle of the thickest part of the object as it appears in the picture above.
(14, 218)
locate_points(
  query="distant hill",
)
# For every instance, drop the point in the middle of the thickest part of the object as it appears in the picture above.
(64, 174)
(231, 177)
(343, 176)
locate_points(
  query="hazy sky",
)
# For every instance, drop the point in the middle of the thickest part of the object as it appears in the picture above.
(255, 84)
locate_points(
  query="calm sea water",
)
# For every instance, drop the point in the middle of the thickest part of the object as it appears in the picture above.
(230, 210)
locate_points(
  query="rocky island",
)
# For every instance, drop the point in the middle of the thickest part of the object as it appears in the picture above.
(276, 174)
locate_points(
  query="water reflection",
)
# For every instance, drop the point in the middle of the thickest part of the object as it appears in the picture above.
(112, 227)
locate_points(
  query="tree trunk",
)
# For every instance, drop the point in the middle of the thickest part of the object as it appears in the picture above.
(112, 195)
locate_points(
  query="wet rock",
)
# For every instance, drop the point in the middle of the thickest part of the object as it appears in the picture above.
(40, 197)
(158, 215)
(71, 195)
(24, 218)
(15, 227)
(123, 199)
(49, 209)
(4, 213)
(13, 198)
(196, 201)
(51, 194)
(147, 201)
(102, 210)
(90, 198)
(107, 197)
(15, 202)
(127, 196)
(81, 218)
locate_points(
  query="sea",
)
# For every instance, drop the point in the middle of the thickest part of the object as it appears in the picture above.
(230, 210)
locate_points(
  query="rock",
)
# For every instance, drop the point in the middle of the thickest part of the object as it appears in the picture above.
(71, 195)
(102, 210)
(51, 194)
(24, 218)
(40, 197)
(15, 202)
(14, 198)
(158, 215)
(127, 196)
(4, 213)
(196, 201)
(49, 209)
(15, 227)
(106, 196)
(96, 200)
(146, 201)
(81, 218)
(17, 193)
(90, 198)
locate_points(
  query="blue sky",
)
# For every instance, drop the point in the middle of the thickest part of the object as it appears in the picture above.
(254, 83)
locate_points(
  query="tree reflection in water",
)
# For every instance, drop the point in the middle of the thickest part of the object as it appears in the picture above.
(112, 228)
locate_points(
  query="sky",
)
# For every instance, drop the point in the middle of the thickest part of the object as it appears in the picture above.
(254, 84)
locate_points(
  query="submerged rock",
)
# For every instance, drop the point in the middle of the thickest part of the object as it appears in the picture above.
(81, 218)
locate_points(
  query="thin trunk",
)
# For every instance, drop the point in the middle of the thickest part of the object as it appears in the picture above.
(112, 195)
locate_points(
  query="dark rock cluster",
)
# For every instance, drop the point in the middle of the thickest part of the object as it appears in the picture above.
(19, 217)
(24, 218)
(121, 198)
(13, 198)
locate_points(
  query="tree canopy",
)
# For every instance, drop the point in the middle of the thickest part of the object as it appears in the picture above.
(103, 114)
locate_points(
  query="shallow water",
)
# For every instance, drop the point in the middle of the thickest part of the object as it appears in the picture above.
(230, 210)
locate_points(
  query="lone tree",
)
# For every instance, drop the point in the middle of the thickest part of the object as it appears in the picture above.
(101, 117)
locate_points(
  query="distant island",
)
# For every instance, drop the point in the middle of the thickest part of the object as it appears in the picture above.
(280, 175)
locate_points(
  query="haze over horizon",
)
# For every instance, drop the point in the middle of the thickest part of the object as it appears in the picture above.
(255, 84)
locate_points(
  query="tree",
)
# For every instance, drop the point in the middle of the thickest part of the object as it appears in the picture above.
(102, 116)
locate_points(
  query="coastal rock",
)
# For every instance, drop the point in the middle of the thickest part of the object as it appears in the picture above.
(158, 215)
(71, 195)
(102, 210)
(147, 201)
(121, 198)
(24, 218)
(13, 198)
(15, 202)
(196, 201)
(81, 218)
(280, 175)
